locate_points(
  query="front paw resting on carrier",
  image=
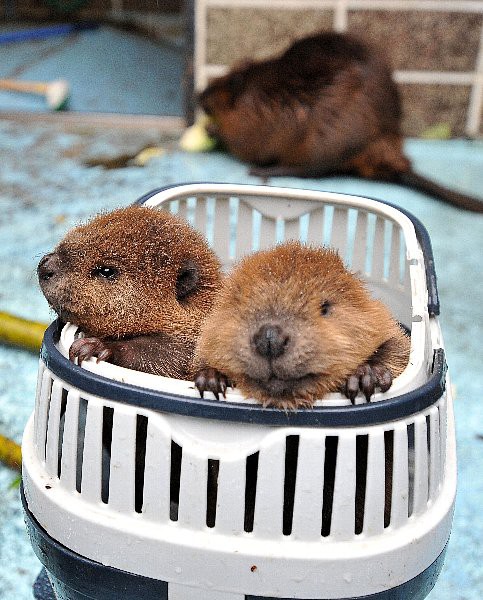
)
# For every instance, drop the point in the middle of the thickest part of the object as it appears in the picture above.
(85, 348)
(367, 378)
(212, 380)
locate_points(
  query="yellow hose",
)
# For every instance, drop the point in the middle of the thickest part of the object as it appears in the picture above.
(10, 453)
(25, 334)
(21, 332)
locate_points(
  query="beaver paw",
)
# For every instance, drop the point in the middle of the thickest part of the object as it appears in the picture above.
(85, 348)
(367, 378)
(211, 380)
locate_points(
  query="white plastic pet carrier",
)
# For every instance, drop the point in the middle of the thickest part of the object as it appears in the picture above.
(135, 487)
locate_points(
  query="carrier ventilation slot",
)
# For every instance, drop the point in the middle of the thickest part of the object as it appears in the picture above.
(107, 421)
(411, 468)
(291, 457)
(443, 432)
(175, 478)
(388, 229)
(63, 405)
(141, 434)
(250, 490)
(361, 479)
(331, 444)
(370, 232)
(81, 430)
(212, 491)
(429, 450)
(436, 453)
(388, 473)
(351, 235)
(45, 424)
(327, 226)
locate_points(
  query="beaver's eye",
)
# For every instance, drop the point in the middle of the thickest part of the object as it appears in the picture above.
(325, 308)
(105, 272)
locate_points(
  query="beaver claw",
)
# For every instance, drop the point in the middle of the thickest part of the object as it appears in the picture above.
(211, 380)
(85, 348)
(366, 378)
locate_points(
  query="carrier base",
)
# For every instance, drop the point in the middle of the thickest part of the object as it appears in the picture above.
(68, 576)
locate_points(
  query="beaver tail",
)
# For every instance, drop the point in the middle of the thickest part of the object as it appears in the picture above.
(415, 181)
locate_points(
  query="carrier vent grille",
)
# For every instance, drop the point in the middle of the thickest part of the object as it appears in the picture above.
(175, 478)
(63, 406)
(429, 450)
(331, 443)
(368, 243)
(212, 491)
(81, 430)
(388, 475)
(411, 467)
(381, 477)
(141, 434)
(250, 490)
(43, 416)
(361, 478)
(107, 422)
(291, 457)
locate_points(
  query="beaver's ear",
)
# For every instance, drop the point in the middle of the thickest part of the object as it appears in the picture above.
(187, 280)
(222, 93)
(216, 99)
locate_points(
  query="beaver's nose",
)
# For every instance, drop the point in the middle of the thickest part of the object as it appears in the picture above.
(270, 341)
(48, 266)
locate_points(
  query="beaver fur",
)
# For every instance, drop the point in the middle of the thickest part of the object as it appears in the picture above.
(327, 105)
(292, 324)
(138, 282)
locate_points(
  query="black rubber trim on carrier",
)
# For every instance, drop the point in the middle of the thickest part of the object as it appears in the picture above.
(397, 407)
(421, 235)
(75, 577)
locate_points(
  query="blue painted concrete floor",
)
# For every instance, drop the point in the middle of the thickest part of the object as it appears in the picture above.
(46, 188)
(108, 70)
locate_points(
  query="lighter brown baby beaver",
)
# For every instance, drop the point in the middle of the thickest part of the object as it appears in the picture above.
(327, 105)
(292, 324)
(138, 282)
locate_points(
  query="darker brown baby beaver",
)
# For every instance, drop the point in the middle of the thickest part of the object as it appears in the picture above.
(327, 105)
(138, 282)
(292, 324)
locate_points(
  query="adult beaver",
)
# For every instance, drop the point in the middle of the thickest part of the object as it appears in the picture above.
(327, 105)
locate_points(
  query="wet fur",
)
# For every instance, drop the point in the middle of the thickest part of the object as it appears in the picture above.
(287, 286)
(149, 316)
(327, 105)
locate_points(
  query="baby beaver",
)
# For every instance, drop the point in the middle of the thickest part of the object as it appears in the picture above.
(292, 324)
(138, 282)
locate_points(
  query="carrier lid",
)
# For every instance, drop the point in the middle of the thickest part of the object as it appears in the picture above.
(421, 231)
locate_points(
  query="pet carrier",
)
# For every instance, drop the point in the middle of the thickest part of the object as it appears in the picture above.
(135, 487)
